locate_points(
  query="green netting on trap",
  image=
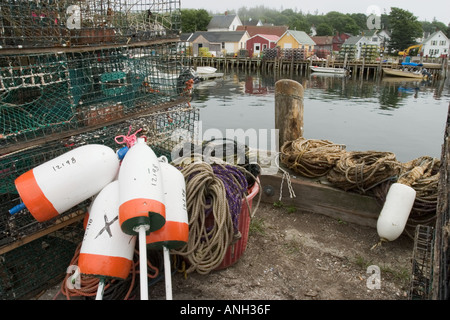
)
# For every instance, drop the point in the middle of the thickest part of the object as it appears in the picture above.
(46, 93)
(163, 130)
(37, 265)
(74, 23)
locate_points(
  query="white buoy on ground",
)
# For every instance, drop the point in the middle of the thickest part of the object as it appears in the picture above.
(141, 200)
(396, 209)
(106, 251)
(175, 233)
(67, 180)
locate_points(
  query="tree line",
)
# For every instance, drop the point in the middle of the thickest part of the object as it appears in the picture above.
(403, 26)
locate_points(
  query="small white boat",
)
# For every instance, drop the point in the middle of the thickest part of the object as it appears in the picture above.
(329, 70)
(206, 70)
(205, 73)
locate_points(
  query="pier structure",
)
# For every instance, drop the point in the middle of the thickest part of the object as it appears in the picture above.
(360, 69)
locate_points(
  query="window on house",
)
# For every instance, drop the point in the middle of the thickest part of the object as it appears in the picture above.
(264, 46)
(257, 47)
(434, 42)
(223, 45)
(442, 42)
(375, 39)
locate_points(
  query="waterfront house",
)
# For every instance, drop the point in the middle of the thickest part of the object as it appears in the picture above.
(339, 39)
(436, 45)
(324, 45)
(218, 43)
(258, 43)
(227, 22)
(296, 39)
(367, 45)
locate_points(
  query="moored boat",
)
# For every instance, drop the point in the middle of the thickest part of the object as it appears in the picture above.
(403, 73)
(329, 70)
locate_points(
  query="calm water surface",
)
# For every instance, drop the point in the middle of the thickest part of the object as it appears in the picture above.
(406, 117)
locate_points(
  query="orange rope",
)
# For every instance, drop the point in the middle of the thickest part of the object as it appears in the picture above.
(89, 285)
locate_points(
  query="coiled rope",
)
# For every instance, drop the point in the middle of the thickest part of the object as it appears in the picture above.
(367, 171)
(363, 170)
(114, 289)
(309, 157)
(214, 194)
(421, 174)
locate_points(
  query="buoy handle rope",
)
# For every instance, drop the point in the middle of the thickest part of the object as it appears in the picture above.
(129, 139)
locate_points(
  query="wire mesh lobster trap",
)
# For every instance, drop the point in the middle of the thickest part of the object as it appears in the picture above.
(72, 23)
(18, 232)
(45, 93)
(422, 263)
(76, 72)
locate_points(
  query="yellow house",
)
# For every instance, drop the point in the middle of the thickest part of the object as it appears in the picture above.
(296, 40)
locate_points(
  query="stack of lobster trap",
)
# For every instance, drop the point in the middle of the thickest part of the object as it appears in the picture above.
(76, 72)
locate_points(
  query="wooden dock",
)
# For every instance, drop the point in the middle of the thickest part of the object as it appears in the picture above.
(360, 69)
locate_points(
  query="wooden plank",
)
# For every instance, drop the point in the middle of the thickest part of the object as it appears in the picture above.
(313, 196)
(59, 224)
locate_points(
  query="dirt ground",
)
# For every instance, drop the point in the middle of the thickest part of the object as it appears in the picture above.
(301, 256)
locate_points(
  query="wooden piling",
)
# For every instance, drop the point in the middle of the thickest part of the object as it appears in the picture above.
(288, 110)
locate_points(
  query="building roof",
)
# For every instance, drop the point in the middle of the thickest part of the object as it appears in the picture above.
(222, 22)
(353, 40)
(301, 37)
(432, 36)
(254, 30)
(185, 36)
(219, 36)
(323, 40)
(269, 37)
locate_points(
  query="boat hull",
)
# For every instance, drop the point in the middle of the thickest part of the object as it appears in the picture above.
(400, 73)
(328, 70)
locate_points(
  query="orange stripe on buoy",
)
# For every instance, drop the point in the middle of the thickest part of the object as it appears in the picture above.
(100, 265)
(172, 231)
(33, 197)
(141, 211)
(140, 208)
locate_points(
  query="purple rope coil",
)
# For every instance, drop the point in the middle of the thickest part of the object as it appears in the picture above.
(236, 186)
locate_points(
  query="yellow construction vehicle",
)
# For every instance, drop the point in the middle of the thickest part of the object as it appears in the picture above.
(406, 52)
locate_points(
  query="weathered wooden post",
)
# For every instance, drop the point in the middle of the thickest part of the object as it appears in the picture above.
(288, 110)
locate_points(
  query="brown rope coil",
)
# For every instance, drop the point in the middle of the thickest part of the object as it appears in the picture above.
(309, 157)
(363, 170)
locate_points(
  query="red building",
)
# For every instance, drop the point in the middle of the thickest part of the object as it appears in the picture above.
(258, 43)
(339, 39)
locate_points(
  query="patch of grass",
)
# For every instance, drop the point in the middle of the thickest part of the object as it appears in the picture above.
(402, 274)
(257, 226)
(278, 204)
(291, 247)
(291, 209)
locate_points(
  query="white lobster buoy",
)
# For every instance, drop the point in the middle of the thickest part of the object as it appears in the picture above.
(175, 232)
(396, 209)
(141, 194)
(106, 251)
(67, 180)
(141, 200)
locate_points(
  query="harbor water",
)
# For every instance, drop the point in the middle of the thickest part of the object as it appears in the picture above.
(402, 116)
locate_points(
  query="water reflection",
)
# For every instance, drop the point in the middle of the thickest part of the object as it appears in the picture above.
(403, 116)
